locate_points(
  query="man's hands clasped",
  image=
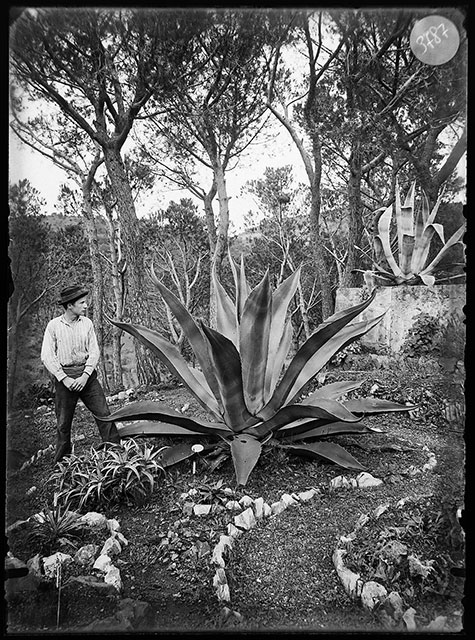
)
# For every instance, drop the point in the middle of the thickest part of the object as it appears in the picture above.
(76, 384)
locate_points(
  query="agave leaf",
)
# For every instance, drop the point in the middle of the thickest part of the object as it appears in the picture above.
(435, 210)
(425, 208)
(453, 240)
(277, 362)
(405, 220)
(313, 352)
(406, 254)
(254, 343)
(384, 224)
(326, 409)
(421, 249)
(227, 363)
(420, 222)
(192, 332)
(154, 428)
(332, 391)
(378, 251)
(280, 330)
(149, 410)
(245, 451)
(225, 313)
(375, 405)
(328, 450)
(346, 336)
(173, 359)
(240, 281)
(335, 428)
(177, 453)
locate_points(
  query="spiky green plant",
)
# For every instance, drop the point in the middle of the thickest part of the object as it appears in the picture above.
(414, 236)
(243, 383)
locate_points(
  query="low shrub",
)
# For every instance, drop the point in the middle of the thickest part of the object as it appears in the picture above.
(113, 474)
(53, 527)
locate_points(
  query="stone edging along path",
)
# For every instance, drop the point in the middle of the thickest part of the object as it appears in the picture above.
(255, 510)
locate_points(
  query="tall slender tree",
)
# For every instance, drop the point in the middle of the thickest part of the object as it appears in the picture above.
(100, 67)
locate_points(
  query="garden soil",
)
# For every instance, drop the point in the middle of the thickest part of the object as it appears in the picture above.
(281, 574)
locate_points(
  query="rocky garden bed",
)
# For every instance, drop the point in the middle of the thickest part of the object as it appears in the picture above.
(295, 549)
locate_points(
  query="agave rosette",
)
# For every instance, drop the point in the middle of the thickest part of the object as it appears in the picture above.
(414, 236)
(243, 383)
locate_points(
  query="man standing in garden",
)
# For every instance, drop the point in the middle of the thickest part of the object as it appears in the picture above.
(70, 353)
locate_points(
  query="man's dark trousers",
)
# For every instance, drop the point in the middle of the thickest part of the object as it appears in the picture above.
(65, 404)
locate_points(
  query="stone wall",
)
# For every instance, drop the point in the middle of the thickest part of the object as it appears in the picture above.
(402, 306)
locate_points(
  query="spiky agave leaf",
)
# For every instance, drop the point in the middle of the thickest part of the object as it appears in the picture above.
(193, 334)
(150, 410)
(453, 240)
(328, 451)
(227, 363)
(384, 225)
(172, 358)
(226, 320)
(245, 452)
(405, 226)
(321, 431)
(241, 284)
(331, 336)
(280, 337)
(326, 409)
(254, 334)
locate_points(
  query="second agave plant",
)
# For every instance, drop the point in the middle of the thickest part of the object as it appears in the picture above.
(244, 383)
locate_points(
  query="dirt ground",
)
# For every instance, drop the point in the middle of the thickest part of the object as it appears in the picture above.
(280, 573)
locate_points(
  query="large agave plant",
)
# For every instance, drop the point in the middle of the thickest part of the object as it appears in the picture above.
(243, 383)
(414, 236)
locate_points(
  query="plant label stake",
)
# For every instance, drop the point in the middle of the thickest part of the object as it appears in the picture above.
(196, 448)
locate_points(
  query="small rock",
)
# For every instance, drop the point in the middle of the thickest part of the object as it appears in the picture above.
(259, 508)
(305, 496)
(340, 482)
(350, 580)
(408, 618)
(50, 564)
(380, 510)
(287, 499)
(111, 547)
(367, 480)
(96, 521)
(113, 525)
(246, 501)
(113, 577)
(233, 505)
(233, 531)
(121, 538)
(86, 554)
(201, 509)
(278, 507)
(372, 594)
(393, 605)
(246, 519)
(102, 564)
(266, 510)
(438, 624)
(34, 565)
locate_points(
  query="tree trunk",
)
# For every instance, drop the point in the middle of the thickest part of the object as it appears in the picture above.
(136, 302)
(97, 277)
(355, 234)
(221, 236)
(12, 357)
(117, 293)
